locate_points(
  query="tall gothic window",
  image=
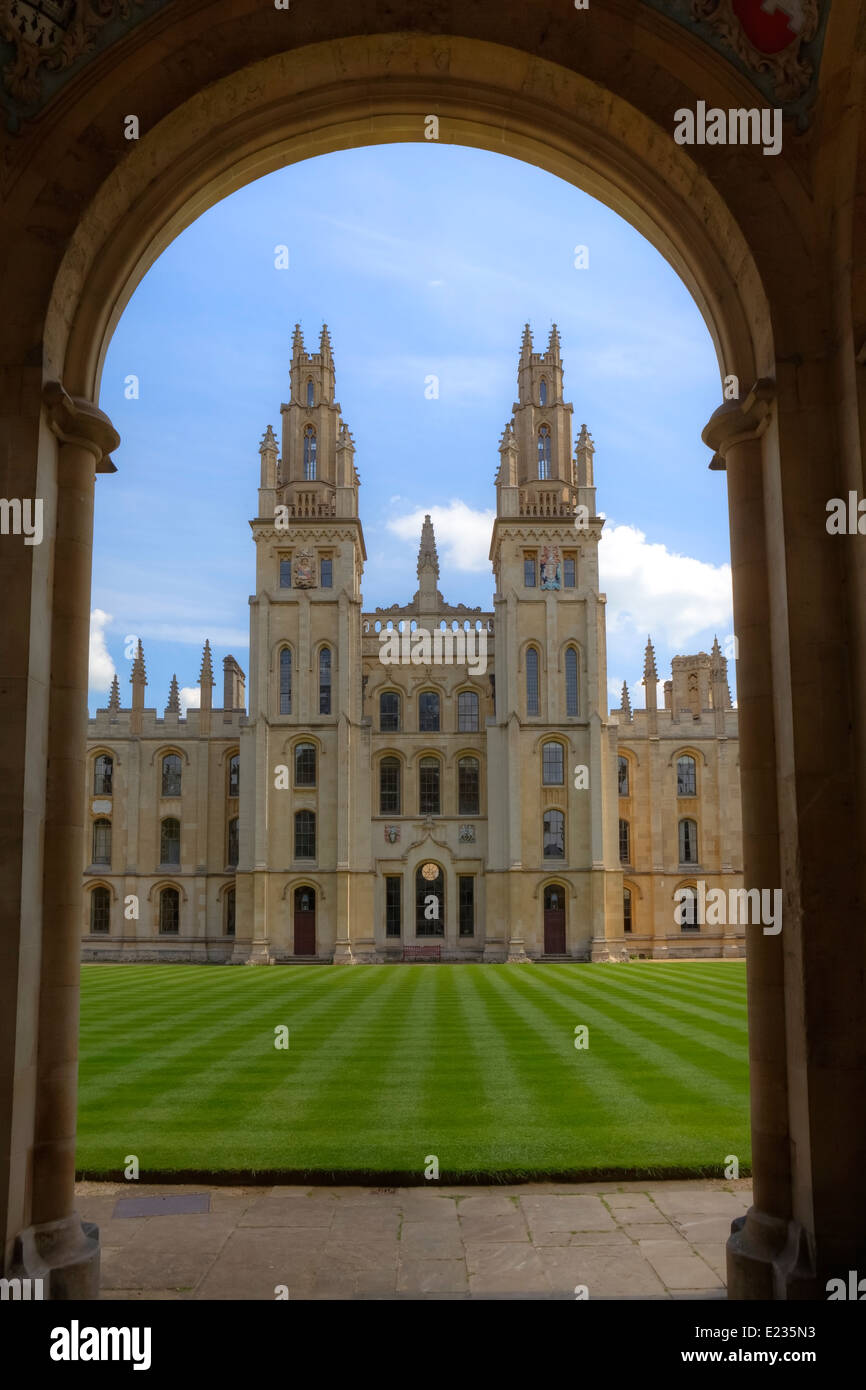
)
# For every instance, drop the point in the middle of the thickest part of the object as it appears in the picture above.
(468, 787)
(230, 911)
(467, 712)
(553, 836)
(686, 776)
(622, 776)
(552, 765)
(624, 842)
(389, 787)
(544, 452)
(305, 764)
(428, 712)
(309, 393)
(571, 694)
(532, 680)
(100, 910)
(286, 681)
(429, 902)
(626, 909)
(102, 773)
(305, 834)
(542, 393)
(169, 841)
(688, 833)
(235, 774)
(325, 681)
(429, 778)
(101, 842)
(171, 775)
(309, 454)
(169, 911)
(389, 712)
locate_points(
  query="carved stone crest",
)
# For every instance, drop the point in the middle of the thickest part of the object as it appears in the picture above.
(767, 37)
(392, 834)
(551, 568)
(305, 571)
(51, 34)
(466, 834)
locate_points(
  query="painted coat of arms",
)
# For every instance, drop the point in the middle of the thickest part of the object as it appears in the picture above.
(305, 571)
(551, 568)
(768, 36)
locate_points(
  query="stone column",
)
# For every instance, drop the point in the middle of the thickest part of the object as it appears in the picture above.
(57, 1246)
(735, 431)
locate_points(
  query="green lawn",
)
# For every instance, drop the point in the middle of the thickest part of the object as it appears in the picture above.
(388, 1064)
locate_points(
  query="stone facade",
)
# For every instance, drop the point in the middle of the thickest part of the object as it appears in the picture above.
(427, 774)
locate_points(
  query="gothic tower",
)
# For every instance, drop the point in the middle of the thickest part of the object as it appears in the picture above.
(551, 795)
(301, 770)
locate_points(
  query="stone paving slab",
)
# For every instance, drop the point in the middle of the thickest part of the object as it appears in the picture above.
(632, 1240)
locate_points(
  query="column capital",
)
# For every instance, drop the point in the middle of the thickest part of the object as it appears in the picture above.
(78, 421)
(736, 421)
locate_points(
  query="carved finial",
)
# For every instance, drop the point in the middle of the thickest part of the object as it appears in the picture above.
(139, 671)
(508, 440)
(114, 696)
(206, 673)
(625, 702)
(553, 342)
(268, 441)
(297, 341)
(427, 556)
(325, 342)
(649, 666)
(173, 706)
(526, 343)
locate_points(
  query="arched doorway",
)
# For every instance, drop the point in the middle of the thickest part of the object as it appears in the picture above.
(429, 900)
(304, 924)
(554, 920)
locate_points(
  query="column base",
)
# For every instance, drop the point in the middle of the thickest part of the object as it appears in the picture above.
(343, 954)
(516, 953)
(768, 1258)
(64, 1254)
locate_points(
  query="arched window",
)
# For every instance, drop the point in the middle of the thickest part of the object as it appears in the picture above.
(467, 712)
(230, 912)
(101, 842)
(232, 858)
(234, 774)
(429, 901)
(309, 454)
(686, 912)
(100, 910)
(169, 911)
(389, 787)
(103, 768)
(305, 764)
(624, 842)
(542, 392)
(531, 680)
(688, 842)
(622, 775)
(552, 765)
(544, 452)
(686, 776)
(286, 681)
(310, 394)
(468, 787)
(553, 838)
(171, 767)
(325, 680)
(572, 707)
(428, 712)
(389, 712)
(429, 779)
(626, 910)
(169, 841)
(305, 834)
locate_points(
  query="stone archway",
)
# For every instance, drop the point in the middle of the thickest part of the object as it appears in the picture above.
(226, 92)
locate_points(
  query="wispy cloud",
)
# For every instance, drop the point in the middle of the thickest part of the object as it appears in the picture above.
(101, 669)
(652, 589)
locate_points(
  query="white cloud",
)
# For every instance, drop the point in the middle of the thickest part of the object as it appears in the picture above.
(462, 534)
(190, 696)
(651, 589)
(101, 665)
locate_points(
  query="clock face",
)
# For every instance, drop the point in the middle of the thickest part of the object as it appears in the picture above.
(430, 871)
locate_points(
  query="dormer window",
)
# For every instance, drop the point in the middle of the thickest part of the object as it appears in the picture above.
(542, 394)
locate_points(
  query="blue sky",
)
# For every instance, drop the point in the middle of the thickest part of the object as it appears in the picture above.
(423, 259)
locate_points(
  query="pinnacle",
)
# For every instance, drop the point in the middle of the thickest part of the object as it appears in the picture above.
(427, 554)
(206, 673)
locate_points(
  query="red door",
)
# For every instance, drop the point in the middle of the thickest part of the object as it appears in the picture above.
(305, 922)
(554, 920)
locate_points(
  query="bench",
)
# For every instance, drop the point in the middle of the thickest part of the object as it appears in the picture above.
(431, 952)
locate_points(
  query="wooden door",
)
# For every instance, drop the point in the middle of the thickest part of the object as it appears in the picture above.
(554, 921)
(305, 922)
